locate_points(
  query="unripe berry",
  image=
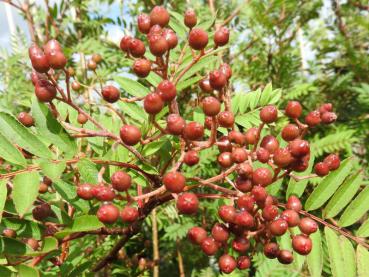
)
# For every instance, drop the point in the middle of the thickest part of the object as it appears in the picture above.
(159, 15)
(226, 119)
(198, 39)
(187, 203)
(290, 132)
(270, 143)
(42, 211)
(175, 124)
(332, 161)
(220, 232)
(190, 18)
(217, 79)
(262, 176)
(210, 106)
(45, 91)
(321, 169)
(262, 155)
(191, 158)
(237, 137)
(225, 159)
(129, 214)
(136, 47)
(308, 225)
(227, 213)
(196, 235)
(292, 217)
(91, 65)
(251, 135)
(104, 193)
(153, 103)
(143, 23)
(56, 59)
(278, 227)
(33, 243)
(282, 157)
(124, 43)
(244, 170)
(121, 181)
(9, 233)
(26, 119)
(108, 213)
(224, 144)
(171, 38)
(82, 118)
(245, 219)
(243, 184)
(209, 246)
(293, 109)
(240, 244)
(142, 67)
(239, 155)
(158, 45)
(313, 118)
(226, 70)
(110, 94)
(193, 131)
(294, 203)
(97, 58)
(84, 191)
(328, 117)
(174, 182)
(221, 36)
(130, 134)
(167, 90)
(269, 114)
(299, 148)
(246, 202)
(259, 193)
(270, 212)
(243, 262)
(302, 244)
(205, 85)
(76, 86)
(285, 257)
(227, 263)
(271, 250)
(43, 188)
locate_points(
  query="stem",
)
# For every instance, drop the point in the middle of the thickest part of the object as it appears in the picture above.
(155, 242)
(180, 260)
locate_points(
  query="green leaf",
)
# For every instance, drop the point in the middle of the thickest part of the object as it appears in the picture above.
(187, 83)
(335, 255)
(298, 187)
(88, 171)
(315, 258)
(343, 195)
(69, 193)
(49, 244)
(133, 111)
(17, 133)
(363, 230)
(51, 169)
(153, 147)
(5, 272)
(357, 208)
(132, 87)
(27, 271)
(362, 258)
(328, 186)
(13, 247)
(10, 153)
(3, 194)
(25, 191)
(348, 255)
(176, 23)
(203, 63)
(81, 224)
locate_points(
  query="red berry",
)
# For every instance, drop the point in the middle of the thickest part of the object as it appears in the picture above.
(36, 77)
(26, 119)
(193, 131)
(285, 257)
(108, 213)
(190, 18)
(226, 70)
(208, 122)
(271, 250)
(278, 227)
(282, 157)
(328, 117)
(158, 45)
(333, 161)
(159, 15)
(45, 91)
(240, 244)
(313, 118)
(56, 59)
(221, 36)
(225, 159)
(259, 193)
(191, 158)
(237, 137)
(130, 134)
(294, 203)
(227, 213)
(167, 90)
(155, 30)
(270, 143)
(205, 85)
(245, 219)
(243, 262)
(293, 109)
(308, 225)
(292, 217)
(290, 132)
(269, 114)
(227, 263)
(143, 23)
(299, 148)
(196, 235)
(9, 233)
(142, 67)
(110, 94)
(82, 118)
(262, 176)
(84, 191)
(246, 202)
(301, 164)
(220, 232)
(251, 135)
(175, 124)
(33, 243)
(262, 155)
(52, 45)
(210, 106)
(198, 39)
(224, 145)
(121, 181)
(171, 38)
(239, 155)
(129, 214)
(243, 184)
(136, 48)
(209, 246)
(153, 103)
(217, 79)
(42, 211)
(187, 203)
(326, 107)
(124, 43)
(38, 59)
(91, 65)
(174, 182)
(302, 244)
(321, 169)
(105, 194)
(270, 212)
(226, 119)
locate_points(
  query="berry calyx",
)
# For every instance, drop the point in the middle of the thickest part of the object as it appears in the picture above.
(108, 213)
(130, 134)
(187, 203)
(121, 181)
(174, 182)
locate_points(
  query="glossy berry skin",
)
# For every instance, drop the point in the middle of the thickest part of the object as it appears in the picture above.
(96, 58)
(292, 217)
(326, 107)
(226, 70)
(171, 38)
(293, 109)
(190, 18)
(259, 193)
(239, 155)
(313, 118)
(187, 203)
(246, 202)
(294, 203)
(110, 94)
(153, 103)
(225, 159)
(52, 45)
(245, 219)
(124, 43)
(217, 79)
(269, 114)
(105, 194)
(193, 131)
(262, 176)
(82, 118)
(198, 39)
(130, 134)
(270, 212)
(226, 119)
(159, 15)
(108, 213)
(302, 244)
(225, 145)
(174, 182)
(240, 244)
(208, 122)
(155, 30)
(220, 232)
(205, 85)
(91, 65)
(167, 90)
(282, 157)
(308, 225)
(243, 262)
(243, 184)
(290, 132)
(251, 135)
(45, 91)
(221, 36)
(227, 263)
(158, 45)
(210, 106)
(129, 214)
(84, 191)
(121, 181)
(175, 124)
(76, 86)
(328, 117)
(41, 211)
(38, 59)
(299, 148)
(271, 250)
(144, 23)
(237, 137)
(278, 227)
(197, 235)
(136, 48)
(270, 143)
(142, 67)
(191, 158)
(56, 59)
(285, 257)
(332, 161)
(227, 213)
(209, 246)
(321, 169)
(26, 119)
(262, 155)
